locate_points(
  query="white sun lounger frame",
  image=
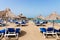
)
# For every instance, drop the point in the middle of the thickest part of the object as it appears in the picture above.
(52, 33)
(16, 35)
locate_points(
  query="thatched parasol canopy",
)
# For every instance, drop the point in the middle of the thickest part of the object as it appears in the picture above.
(53, 16)
(6, 14)
(2, 14)
(9, 13)
(40, 17)
(21, 16)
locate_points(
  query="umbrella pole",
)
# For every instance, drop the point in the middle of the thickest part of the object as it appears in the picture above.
(6, 23)
(53, 25)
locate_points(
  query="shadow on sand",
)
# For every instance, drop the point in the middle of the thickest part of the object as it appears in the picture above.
(58, 39)
(22, 33)
(51, 37)
(21, 25)
(24, 25)
(40, 25)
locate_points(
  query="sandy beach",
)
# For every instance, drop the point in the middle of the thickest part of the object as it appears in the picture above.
(29, 19)
(31, 31)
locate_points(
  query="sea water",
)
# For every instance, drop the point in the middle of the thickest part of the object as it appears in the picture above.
(56, 21)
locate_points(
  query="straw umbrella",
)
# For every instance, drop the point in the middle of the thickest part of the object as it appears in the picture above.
(22, 17)
(40, 17)
(53, 16)
(10, 14)
(17, 18)
(3, 15)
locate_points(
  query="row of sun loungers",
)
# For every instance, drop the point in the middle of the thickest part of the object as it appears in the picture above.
(2, 23)
(38, 23)
(50, 31)
(23, 23)
(10, 33)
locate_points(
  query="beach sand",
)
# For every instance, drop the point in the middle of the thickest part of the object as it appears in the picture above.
(31, 32)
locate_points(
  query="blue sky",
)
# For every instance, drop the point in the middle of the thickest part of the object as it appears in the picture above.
(31, 8)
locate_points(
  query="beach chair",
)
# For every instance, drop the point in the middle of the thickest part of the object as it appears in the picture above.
(18, 31)
(1, 23)
(14, 21)
(58, 32)
(17, 22)
(50, 32)
(12, 33)
(23, 23)
(11, 21)
(45, 22)
(43, 31)
(2, 32)
(37, 23)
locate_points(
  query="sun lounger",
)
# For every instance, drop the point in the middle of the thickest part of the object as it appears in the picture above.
(45, 22)
(1, 21)
(48, 32)
(12, 33)
(23, 23)
(14, 20)
(58, 32)
(17, 22)
(37, 23)
(2, 32)
(10, 21)
(50, 29)
(18, 31)
(42, 30)
(2, 24)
